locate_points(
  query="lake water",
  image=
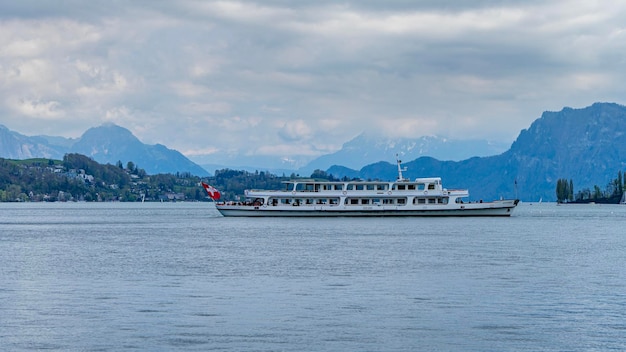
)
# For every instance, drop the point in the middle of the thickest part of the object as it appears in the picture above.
(178, 276)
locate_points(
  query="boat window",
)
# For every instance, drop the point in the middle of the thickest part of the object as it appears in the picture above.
(432, 201)
(365, 201)
(303, 187)
(400, 187)
(420, 201)
(444, 200)
(431, 186)
(421, 186)
(354, 201)
(402, 201)
(360, 187)
(334, 201)
(350, 187)
(388, 201)
(370, 187)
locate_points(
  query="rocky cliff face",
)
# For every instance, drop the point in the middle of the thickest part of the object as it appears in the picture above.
(586, 145)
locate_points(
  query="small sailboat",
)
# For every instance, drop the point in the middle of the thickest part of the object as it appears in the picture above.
(623, 200)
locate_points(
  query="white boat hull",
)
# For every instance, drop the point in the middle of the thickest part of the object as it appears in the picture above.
(496, 208)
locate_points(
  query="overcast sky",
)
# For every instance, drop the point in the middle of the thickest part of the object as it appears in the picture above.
(282, 77)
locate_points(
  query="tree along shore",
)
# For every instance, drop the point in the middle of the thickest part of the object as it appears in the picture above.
(80, 178)
(612, 194)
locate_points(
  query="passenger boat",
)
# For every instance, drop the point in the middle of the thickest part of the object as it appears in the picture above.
(402, 197)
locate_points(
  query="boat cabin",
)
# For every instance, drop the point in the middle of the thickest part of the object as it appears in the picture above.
(420, 184)
(399, 193)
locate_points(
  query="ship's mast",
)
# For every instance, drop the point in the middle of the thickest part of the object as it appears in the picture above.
(400, 168)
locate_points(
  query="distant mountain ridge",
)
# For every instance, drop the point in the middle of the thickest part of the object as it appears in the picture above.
(586, 145)
(363, 149)
(108, 143)
(17, 146)
(356, 153)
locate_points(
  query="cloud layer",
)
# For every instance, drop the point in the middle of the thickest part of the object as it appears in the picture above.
(291, 78)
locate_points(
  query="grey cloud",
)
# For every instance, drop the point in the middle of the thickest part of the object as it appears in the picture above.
(266, 73)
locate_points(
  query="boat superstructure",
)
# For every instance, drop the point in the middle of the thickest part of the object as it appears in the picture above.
(402, 197)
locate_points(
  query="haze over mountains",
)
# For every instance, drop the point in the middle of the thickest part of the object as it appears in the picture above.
(356, 153)
(586, 145)
(364, 149)
(109, 143)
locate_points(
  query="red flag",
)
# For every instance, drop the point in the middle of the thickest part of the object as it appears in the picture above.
(212, 191)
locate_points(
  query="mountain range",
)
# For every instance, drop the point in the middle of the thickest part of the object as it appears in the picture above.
(363, 149)
(357, 153)
(585, 145)
(108, 143)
